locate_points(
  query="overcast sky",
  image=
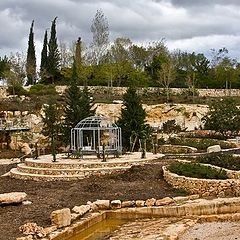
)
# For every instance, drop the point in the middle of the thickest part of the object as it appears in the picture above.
(184, 24)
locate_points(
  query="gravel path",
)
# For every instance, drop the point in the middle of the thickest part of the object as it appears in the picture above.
(213, 231)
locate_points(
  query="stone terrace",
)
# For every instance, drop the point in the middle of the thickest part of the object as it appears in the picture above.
(67, 169)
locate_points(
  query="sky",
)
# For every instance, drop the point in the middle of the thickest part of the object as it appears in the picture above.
(189, 25)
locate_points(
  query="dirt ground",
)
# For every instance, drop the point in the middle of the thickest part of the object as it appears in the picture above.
(139, 182)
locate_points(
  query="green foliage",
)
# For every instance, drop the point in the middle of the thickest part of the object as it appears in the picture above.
(42, 90)
(223, 117)
(44, 59)
(132, 119)
(221, 160)
(196, 171)
(17, 90)
(77, 107)
(31, 59)
(51, 124)
(4, 66)
(200, 144)
(171, 127)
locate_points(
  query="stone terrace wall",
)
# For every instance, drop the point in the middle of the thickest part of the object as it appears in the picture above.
(203, 187)
(121, 90)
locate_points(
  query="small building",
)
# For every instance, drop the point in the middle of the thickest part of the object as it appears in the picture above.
(94, 134)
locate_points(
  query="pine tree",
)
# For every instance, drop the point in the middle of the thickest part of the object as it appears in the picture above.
(132, 119)
(44, 58)
(31, 58)
(51, 124)
(53, 54)
(78, 106)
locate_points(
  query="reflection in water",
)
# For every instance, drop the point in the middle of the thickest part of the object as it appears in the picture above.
(100, 230)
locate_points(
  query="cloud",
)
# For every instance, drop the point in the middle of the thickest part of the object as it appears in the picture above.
(192, 25)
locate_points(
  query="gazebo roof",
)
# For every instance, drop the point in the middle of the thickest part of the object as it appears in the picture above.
(96, 122)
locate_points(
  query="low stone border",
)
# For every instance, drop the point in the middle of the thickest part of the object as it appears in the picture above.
(66, 224)
(177, 149)
(204, 187)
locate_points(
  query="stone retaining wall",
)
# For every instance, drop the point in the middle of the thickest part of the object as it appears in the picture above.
(189, 210)
(167, 148)
(203, 187)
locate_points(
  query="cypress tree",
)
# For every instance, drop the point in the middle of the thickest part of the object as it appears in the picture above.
(78, 105)
(132, 119)
(51, 124)
(31, 58)
(53, 53)
(44, 58)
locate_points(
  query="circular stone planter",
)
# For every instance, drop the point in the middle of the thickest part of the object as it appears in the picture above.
(203, 187)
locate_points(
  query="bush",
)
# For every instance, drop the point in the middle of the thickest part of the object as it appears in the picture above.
(41, 90)
(196, 171)
(200, 144)
(17, 90)
(221, 160)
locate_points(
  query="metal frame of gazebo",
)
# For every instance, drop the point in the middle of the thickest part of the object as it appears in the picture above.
(93, 134)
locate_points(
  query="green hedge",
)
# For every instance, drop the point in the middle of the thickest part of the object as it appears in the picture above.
(196, 170)
(221, 160)
(200, 144)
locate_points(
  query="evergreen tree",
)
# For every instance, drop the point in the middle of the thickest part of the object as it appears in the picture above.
(44, 58)
(31, 58)
(51, 124)
(53, 54)
(78, 106)
(132, 119)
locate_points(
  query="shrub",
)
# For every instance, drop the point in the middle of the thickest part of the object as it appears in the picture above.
(41, 90)
(196, 171)
(200, 144)
(221, 160)
(17, 90)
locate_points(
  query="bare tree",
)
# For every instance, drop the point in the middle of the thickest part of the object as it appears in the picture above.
(100, 31)
(167, 75)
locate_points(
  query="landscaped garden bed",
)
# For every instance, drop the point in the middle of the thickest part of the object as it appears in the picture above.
(221, 160)
(195, 170)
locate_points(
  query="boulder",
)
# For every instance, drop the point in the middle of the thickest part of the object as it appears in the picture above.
(115, 204)
(12, 198)
(102, 204)
(25, 149)
(32, 229)
(61, 218)
(140, 203)
(214, 148)
(128, 203)
(81, 210)
(150, 202)
(164, 201)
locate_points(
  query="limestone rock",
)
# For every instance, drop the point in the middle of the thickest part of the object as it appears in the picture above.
(115, 204)
(128, 203)
(61, 218)
(102, 204)
(150, 202)
(32, 229)
(214, 148)
(13, 197)
(140, 203)
(25, 149)
(29, 237)
(164, 201)
(26, 202)
(81, 210)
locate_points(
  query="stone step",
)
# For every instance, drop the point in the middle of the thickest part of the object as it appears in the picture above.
(14, 173)
(68, 172)
(77, 165)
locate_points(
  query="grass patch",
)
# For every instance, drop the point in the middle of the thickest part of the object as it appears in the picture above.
(196, 170)
(221, 160)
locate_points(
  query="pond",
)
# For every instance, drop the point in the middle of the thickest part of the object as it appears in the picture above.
(100, 230)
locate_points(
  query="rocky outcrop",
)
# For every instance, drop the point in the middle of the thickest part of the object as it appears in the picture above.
(12, 198)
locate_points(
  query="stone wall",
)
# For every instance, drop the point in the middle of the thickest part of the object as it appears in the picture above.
(167, 148)
(203, 187)
(3, 92)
